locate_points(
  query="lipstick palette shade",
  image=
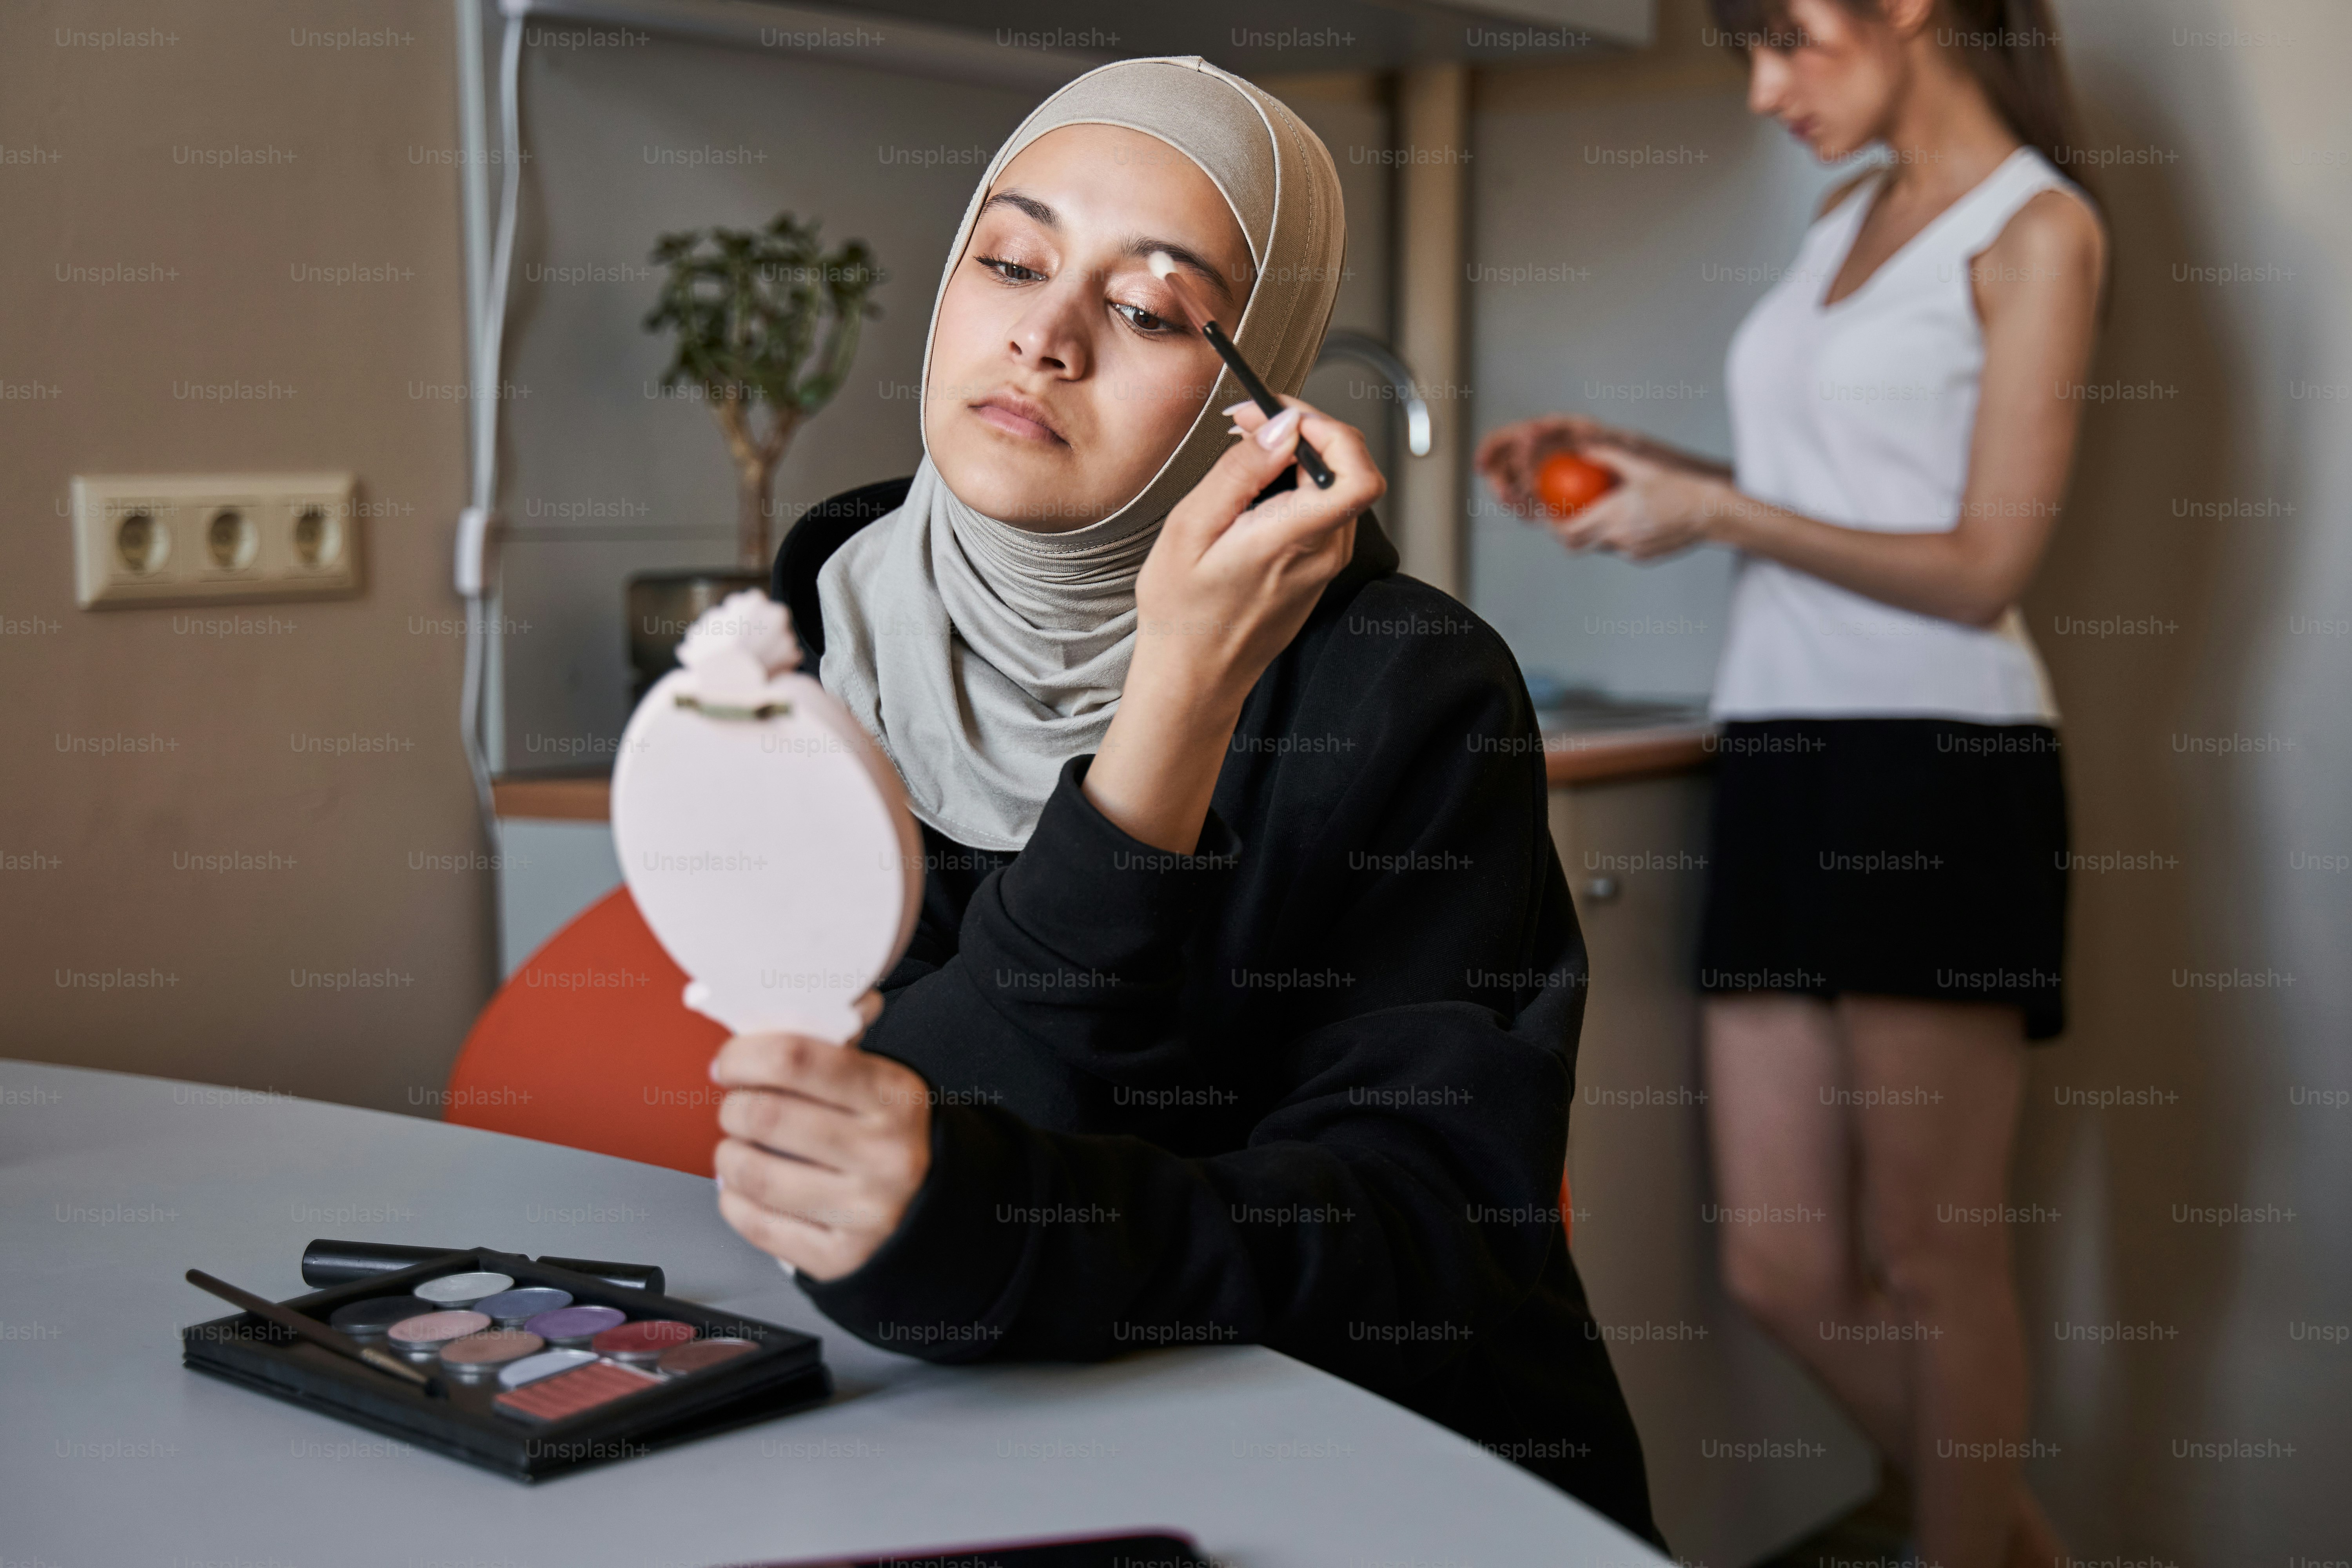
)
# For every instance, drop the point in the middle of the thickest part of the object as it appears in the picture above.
(538, 1353)
(513, 1309)
(421, 1338)
(695, 1354)
(479, 1356)
(546, 1363)
(460, 1291)
(642, 1344)
(574, 1327)
(371, 1320)
(575, 1393)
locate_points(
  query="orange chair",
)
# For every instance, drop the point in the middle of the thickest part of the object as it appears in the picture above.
(588, 1044)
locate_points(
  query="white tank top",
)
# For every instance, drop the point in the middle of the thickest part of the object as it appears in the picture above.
(1860, 414)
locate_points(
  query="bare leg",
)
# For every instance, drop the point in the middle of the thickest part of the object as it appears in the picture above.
(1783, 1117)
(1781, 1129)
(1936, 1088)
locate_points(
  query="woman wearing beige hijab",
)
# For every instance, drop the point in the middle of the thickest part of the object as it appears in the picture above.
(1244, 1001)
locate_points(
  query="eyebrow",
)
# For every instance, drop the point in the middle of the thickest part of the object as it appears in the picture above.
(1137, 246)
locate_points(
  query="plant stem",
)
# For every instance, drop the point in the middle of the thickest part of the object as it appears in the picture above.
(755, 469)
(752, 518)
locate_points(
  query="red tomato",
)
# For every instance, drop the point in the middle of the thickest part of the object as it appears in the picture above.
(1567, 483)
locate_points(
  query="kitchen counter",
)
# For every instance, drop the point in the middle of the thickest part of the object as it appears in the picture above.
(1602, 756)
(554, 798)
(1570, 757)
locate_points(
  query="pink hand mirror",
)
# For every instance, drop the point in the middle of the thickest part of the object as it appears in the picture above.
(765, 837)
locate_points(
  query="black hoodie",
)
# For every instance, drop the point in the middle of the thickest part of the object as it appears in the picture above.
(1308, 1086)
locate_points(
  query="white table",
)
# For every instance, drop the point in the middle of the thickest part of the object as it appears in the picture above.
(112, 1453)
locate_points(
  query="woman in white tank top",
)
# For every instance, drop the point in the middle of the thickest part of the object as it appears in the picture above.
(1885, 904)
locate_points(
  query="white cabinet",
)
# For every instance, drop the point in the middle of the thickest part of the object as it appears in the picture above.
(550, 871)
(1700, 1379)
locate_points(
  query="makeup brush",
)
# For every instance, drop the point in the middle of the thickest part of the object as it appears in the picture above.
(317, 1333)
(1163, 267)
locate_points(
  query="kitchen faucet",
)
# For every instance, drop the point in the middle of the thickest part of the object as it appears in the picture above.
(1371, 351)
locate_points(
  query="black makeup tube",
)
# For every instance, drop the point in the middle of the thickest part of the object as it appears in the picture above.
(326, 1263)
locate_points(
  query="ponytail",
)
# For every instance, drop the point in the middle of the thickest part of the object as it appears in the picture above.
(2010, 47)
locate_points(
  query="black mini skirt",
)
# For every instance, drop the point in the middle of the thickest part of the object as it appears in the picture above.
(1895, 857)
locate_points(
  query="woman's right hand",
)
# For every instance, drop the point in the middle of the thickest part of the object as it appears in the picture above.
(1226, 586)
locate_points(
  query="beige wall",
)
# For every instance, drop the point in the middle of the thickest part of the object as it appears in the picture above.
(2243, 107)
(99, 131)
(2235, 631)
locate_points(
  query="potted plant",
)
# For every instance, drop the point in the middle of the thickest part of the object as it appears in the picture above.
(764, 323)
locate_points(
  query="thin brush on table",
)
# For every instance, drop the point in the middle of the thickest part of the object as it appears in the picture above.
(317, 1333)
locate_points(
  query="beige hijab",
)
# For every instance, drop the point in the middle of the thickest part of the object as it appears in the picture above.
(982, 656)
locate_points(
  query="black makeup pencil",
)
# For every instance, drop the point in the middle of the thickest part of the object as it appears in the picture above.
(317, 1333)
(1310, 461)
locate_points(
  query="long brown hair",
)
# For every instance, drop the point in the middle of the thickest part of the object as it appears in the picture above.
(2010, 47)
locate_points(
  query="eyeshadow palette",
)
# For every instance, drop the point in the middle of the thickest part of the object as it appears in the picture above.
(542, 1370)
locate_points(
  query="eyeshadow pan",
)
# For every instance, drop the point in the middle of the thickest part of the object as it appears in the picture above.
(368, 1320)
(546, 1363)
(420, 1337)
(571, 1328)
(513, 1309)
(456, 1291)
(477, 1356)
(695, 1354)
(573, 1393)
(641, 1344)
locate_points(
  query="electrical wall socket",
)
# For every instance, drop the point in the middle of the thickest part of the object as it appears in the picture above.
(196, 539)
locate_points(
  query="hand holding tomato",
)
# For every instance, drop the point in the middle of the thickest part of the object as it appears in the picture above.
(1649, 509)
(1511, 458)
(1567, 484)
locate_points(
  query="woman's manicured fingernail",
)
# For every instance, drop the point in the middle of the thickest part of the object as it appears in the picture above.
(1237, 409)
(1235, 430)
(1276, 431)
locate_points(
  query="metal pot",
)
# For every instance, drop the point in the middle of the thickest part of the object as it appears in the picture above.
(662, 604)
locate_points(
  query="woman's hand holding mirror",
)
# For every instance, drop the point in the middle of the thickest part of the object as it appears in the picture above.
(826, 1145)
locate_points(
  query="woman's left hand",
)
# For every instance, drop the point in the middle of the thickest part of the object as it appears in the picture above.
(827, 1146)
(1657, 509)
